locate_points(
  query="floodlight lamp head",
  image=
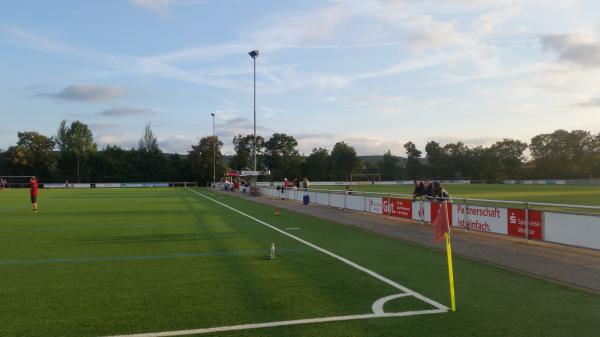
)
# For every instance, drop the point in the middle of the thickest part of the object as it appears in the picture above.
(253, 54)
(212, 114)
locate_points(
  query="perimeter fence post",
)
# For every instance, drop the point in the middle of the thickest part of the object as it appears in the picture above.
(527, 221)
(387, 208)
(466, 214)
(328, 198)
(345, 200)
(365, 202)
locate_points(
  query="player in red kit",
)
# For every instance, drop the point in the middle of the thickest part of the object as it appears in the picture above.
(33, 193)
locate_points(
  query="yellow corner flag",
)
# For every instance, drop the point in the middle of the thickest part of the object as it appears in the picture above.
(441, 225)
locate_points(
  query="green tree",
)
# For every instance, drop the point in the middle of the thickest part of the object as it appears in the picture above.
(113, 164)
(152, 164)
(343, 161)
(316, 166)
(389, 166)
(509, 154)
(77, 148)
(148, 142)
(459, 161)
(435, 159)
(413, 165)
(201, 159)
(281, 156)
(564, 154)
(33, 154)
(243, 147)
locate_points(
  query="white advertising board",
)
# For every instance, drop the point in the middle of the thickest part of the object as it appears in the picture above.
(108, 185)
(355, 202)
(572, 229)
(374, 205)
(80, 185)
(485, 219)
(421, 211)
(337, 200)
(54, 185)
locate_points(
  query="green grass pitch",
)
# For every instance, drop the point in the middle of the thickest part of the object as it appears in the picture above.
(560, 194)
(118, 262)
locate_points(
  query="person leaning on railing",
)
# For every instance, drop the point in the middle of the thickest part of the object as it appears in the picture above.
(439, 193)
(428, 188)
(419, 191)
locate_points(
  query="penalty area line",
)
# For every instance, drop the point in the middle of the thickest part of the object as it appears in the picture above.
(340, 258)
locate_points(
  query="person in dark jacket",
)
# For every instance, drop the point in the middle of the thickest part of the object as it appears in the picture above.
(419, 191)
(439, 193)
(428, 189)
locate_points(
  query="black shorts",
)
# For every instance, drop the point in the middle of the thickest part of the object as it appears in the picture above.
(33, 199)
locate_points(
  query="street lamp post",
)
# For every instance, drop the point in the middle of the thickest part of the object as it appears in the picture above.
(254, 55)
(214, 151)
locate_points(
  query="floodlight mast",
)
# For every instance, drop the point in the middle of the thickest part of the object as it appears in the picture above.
(254, 55)
(214, 150)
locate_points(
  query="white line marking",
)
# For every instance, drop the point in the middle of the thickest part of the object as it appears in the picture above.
(378, 305)
(292, 228)
(343, 259)
(280, 323)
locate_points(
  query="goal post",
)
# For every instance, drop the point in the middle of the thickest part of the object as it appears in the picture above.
(365, 177)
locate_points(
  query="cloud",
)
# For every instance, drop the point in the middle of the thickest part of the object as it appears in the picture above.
(125, 111)
(103, 127)
(469, 141)
(364, 145)
(116, 138)
(268, 112)
(580, 48)
(594, 102)
(87, 93)
(176, 144)
(228, 128)
(37, 42)
(159, 6)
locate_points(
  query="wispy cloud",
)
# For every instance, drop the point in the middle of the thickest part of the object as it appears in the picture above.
(87, 93)
(228, 128)
(176, 144)
(159, 6)
(594, 102)
(126, 111)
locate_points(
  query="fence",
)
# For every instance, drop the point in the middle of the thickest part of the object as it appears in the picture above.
(574, 225)
(120, 185)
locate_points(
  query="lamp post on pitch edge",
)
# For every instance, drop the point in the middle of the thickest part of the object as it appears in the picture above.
(254, 55)
(214, 150)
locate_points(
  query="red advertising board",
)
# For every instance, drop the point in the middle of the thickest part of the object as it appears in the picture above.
(435, 207)
(401, 208)
(516, 223)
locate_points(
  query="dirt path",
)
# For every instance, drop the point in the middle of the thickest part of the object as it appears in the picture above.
(572, 266)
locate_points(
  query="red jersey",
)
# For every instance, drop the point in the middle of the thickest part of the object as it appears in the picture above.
(33, 189)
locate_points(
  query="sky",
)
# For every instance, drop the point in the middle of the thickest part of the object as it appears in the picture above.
(372, 73)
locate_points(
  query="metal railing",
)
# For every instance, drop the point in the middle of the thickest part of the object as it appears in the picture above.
(526, 206)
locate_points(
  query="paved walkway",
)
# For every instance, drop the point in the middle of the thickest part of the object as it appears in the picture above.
(572, 266)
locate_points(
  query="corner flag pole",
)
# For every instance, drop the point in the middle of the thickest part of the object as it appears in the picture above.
(450, 270)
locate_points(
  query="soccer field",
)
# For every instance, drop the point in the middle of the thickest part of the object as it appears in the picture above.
(560, 194)
(181, 261)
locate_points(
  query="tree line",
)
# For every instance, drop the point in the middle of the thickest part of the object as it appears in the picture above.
(71, 154)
